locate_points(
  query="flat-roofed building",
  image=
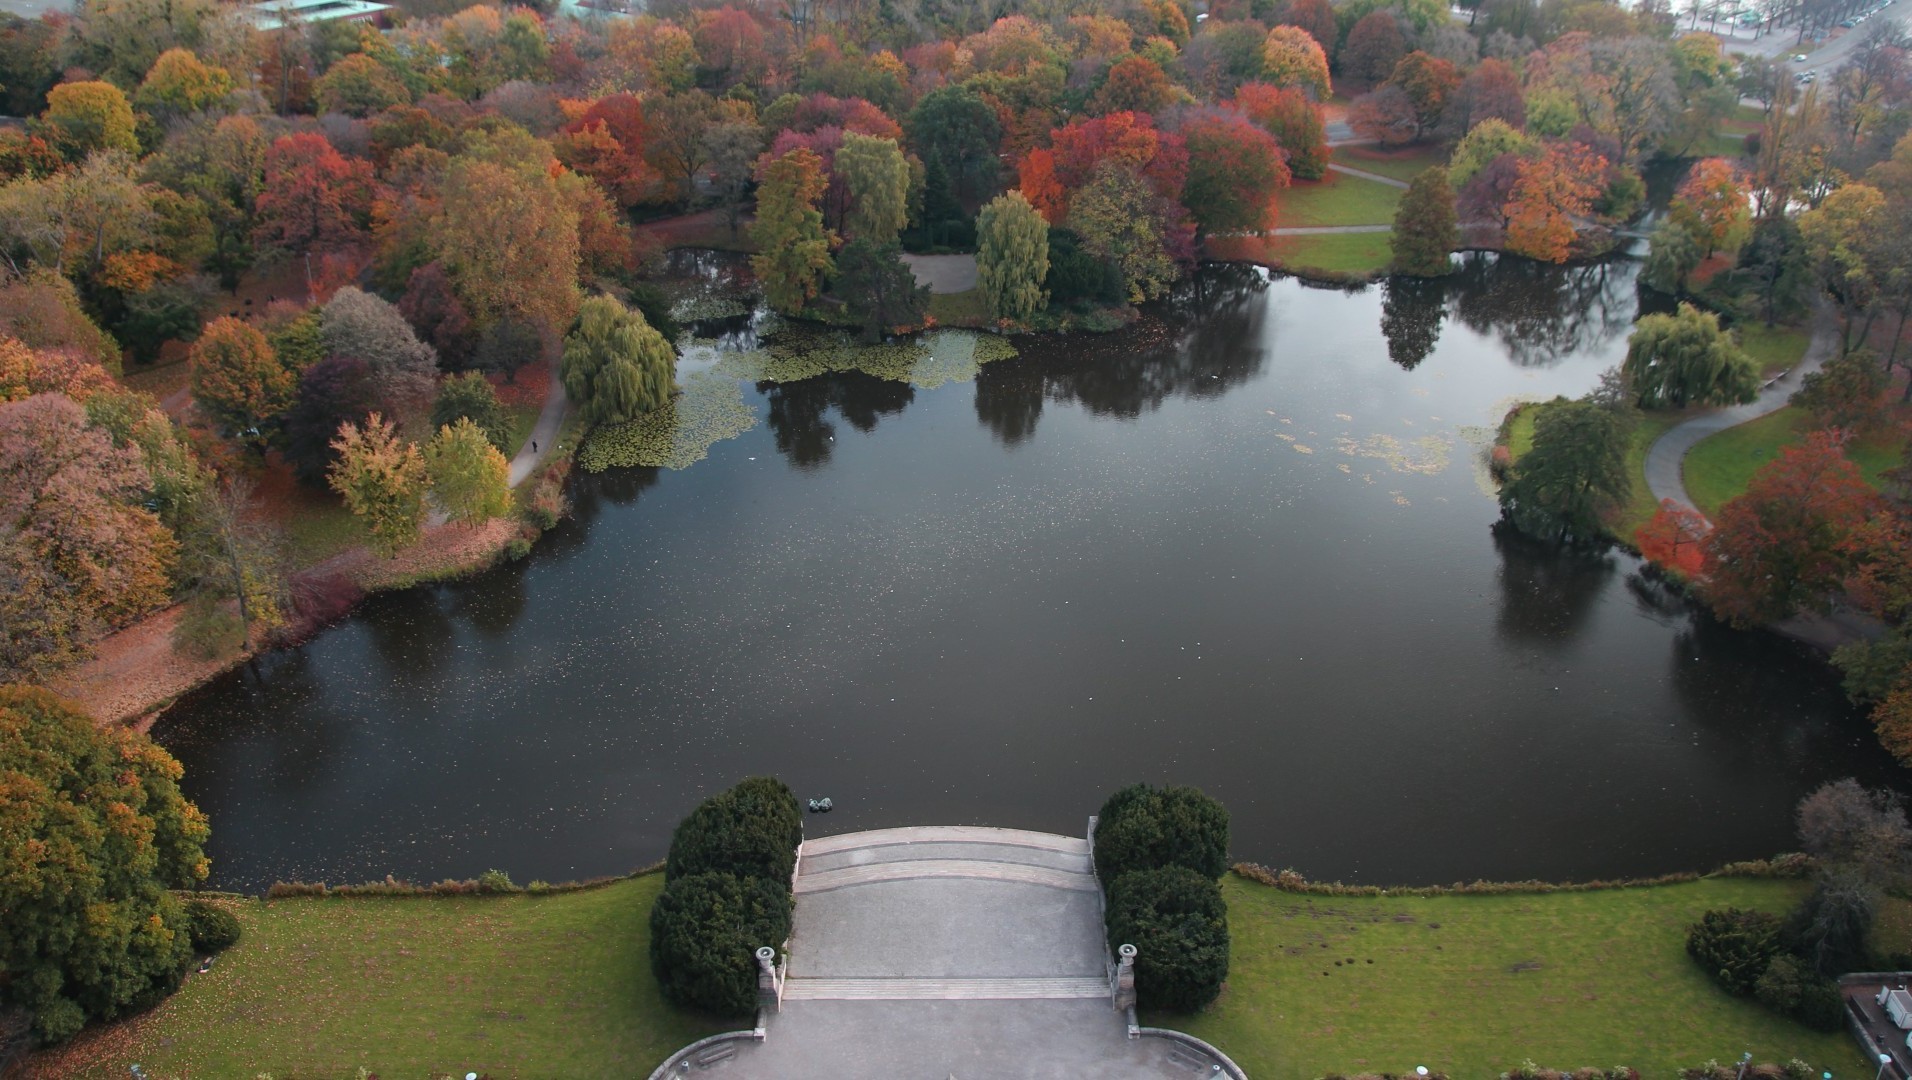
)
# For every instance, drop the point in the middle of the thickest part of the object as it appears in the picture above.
(273, 14)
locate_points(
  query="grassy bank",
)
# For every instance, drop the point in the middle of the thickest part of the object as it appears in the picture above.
(1722, 465)
(1640, 506)
(1336, 199)
(508, 986)
(1404, 164)
(1472, 985)
(1775, 349)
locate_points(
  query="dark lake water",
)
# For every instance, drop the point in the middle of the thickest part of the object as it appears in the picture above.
(1245, 544)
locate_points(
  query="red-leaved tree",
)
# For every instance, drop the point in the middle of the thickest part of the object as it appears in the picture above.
(315, 198)
(1672, 538)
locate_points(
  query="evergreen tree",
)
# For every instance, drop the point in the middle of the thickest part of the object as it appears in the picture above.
(878, 290)
(1425, 226)
(469, 396)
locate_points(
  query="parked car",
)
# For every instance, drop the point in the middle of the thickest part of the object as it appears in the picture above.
(1799, 58)
(1848, 24)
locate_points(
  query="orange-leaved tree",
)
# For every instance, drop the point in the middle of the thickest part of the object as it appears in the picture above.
(1672, 538)
(1551, 193)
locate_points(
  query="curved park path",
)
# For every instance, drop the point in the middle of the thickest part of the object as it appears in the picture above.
(544, 433)
(946, 952)
(1666, 458)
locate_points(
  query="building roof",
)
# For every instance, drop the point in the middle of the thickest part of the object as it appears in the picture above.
(273, 14)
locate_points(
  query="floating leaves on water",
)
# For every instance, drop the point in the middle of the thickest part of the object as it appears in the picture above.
(677, 436)
(1399, 499)
(698, 308)
(1346, 468)
(1300, 449)
(1343, 416)
(1426, 455)
(926, 362)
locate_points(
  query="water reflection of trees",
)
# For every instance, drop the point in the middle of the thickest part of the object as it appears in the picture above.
(1547, 590)
(1540, 312)
(1412, 310)
(798, 412)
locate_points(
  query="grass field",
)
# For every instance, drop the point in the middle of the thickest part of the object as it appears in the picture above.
(1776, 349)
(512, 986)
(966, 308)
(1721, 466)
(1471, 985)
(1400, 164)
(1338, 199)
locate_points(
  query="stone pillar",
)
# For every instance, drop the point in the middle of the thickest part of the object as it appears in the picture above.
(1124, 989)
(767, 978)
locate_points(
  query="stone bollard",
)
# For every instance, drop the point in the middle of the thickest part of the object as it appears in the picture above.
(767, 978)
(1125, 979)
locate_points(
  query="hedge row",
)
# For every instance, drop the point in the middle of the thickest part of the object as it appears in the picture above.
(1158, 853)
(1780, 866)
(726, 894)
(490, 883)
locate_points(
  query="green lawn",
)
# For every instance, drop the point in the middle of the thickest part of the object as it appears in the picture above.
(1721, 466)
(1338, 199)
(1350, 253)
(320, 528)
(1399, 164)
(523, 419)
(510, 986)
(1775, 349)
(966, 308)
(1472, 985)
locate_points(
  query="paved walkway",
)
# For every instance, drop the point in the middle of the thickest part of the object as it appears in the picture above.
(943, 273)
(1666, 458)
(1366, 175)
(947, 952)
(544, 433)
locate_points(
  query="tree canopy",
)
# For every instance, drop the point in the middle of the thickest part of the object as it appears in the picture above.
(1686, 359)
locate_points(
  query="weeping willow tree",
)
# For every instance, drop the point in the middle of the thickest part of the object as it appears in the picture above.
(615, 366)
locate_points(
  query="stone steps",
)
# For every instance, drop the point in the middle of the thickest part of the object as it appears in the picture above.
(916, 989)
(946, 834)
(816, 881)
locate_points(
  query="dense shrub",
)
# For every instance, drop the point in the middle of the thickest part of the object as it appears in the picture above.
(1178, 923)
(213, 928)
(1142, 827)
(751, 830)
(1734, 947)
(705, 931)
(1790, 986)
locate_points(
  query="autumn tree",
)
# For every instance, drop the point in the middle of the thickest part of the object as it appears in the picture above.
(313, 198)
(615, 366)
(1314, 16)
(84, 117)
(230, 555)
(470, 479)
(878, 290)
(1845, 392)
(877, 179)
(470, 397)
(180, 84)
(1672, 538)
(356, 323)
(334, 391)
(95, 835)
(607, 142)
(675, 147)
(1291, 56)
(1385, 116)
(1487, 142)
(1119, 217)
(730, 156)
(794, 247)
(1294, 121)
(238, 380)
(74, 498)
(1575, 471)
(432, 307)
(1430, 84)
(1012, 257)
(1686, 359)
(1426, 229)
(1490, 91)
(1134, 84)
(1842, 241)
(509, 242)
(1713, 205)
(1374, 45)
(1782, 545)
(358, 85)
(1551, 193)
(382, 480)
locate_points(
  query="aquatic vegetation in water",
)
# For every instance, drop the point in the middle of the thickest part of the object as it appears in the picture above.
(926, 362)
(1426, 455)
(710, 409)
(691, 309)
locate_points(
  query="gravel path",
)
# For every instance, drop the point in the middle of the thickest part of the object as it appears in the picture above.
(943, 273)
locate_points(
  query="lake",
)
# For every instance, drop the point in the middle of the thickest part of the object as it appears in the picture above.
(1246, 543)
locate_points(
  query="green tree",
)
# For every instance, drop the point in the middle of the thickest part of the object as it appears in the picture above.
(1426, 229)
(1575, 470)
(238, 380)
(180, 84)
(878, 180)
(359, 86)
(470, 397)
(82, 117)
(1484, 145)
(93, 832)
(1142, 827)
(470, 479)
(1116, 216)
(1178, 923)
(789, 232)
(879, 291)
(956, 134)
(382, 480)
(704, 930)
(1673, 253)
(1845, 393)
(1012, 257)
(1686, 359)
(614, 365)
